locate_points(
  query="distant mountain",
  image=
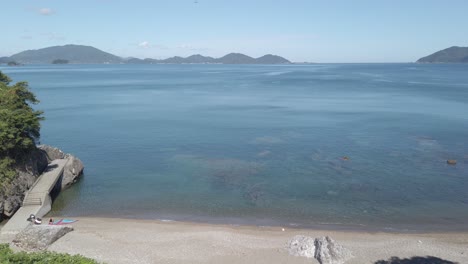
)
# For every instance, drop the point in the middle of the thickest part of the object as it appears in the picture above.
(174, 60)
(197, 58)
(272, 59)
(151, 61)
(133, 61)
(4, 59)
(71, 53)
(236, 58)
(232, 58)
(78, 54)
(450, 55)
(140, 61)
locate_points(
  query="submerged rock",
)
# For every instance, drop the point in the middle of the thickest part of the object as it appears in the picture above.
(327, 251)
(301, 246)
(451, 162)
(40, 237)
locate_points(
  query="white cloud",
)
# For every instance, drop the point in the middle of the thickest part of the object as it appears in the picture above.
(46, 11)
(148, 45)
(144, 44)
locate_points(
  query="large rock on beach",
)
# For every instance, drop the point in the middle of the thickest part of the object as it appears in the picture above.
(327, 251)
(301, 246)
(40, 237)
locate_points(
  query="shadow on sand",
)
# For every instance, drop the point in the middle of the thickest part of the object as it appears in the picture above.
(415, 260)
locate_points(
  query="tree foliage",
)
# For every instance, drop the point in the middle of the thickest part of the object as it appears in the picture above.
(8, 256)
(19, 125)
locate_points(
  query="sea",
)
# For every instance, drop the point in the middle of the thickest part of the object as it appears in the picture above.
(346, 146)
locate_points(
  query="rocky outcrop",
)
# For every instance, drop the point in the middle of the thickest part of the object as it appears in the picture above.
(52, 153)
(327, 251)
(72, 171)
(40, 237)
(324, 249)
(29, 170)
(301, 246)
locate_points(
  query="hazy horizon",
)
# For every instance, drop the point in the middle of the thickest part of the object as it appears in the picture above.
(318, 31)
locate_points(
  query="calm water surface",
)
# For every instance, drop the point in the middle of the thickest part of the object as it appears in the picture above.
(262, 145)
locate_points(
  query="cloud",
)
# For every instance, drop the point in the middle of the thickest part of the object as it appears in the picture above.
(147, 45)
(144, 44)
(45, 11)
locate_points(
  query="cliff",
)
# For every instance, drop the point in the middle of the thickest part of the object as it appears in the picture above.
(32, 166)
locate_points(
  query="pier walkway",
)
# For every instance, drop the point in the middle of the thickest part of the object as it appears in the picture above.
(37, 200)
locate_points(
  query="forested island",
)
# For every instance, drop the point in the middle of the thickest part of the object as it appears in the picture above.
(80, 54)
(450, 55)
(60, 61)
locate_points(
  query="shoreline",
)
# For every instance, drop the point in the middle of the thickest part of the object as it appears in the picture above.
(117, 240)
(266, 223)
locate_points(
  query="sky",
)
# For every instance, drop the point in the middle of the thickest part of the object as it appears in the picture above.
(299, 30)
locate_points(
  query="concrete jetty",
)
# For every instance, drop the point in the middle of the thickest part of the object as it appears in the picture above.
(37, 200)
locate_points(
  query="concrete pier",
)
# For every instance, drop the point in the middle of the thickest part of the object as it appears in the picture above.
(37, 200)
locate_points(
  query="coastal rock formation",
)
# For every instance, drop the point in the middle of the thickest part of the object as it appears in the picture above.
(40, 237)
(52, 153)
(29, 170)
(327, 251)
(72, 171)
(301, 246)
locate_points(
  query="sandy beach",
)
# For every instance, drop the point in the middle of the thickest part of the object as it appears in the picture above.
(117, 241)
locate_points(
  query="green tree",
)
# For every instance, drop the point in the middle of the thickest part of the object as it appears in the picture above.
(19, 125)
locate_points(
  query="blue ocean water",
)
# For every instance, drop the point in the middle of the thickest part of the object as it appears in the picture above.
(263, 145)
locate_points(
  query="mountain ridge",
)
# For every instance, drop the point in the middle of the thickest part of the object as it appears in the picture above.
(72, 53)
(81, 54)
(453, 54)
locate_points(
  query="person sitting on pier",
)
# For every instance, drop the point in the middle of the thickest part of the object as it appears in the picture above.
(34, 219)
(31, 218)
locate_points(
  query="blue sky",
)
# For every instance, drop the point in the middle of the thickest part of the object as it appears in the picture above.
(300, 30)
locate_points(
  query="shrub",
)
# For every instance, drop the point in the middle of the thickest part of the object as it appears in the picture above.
(7, 256)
